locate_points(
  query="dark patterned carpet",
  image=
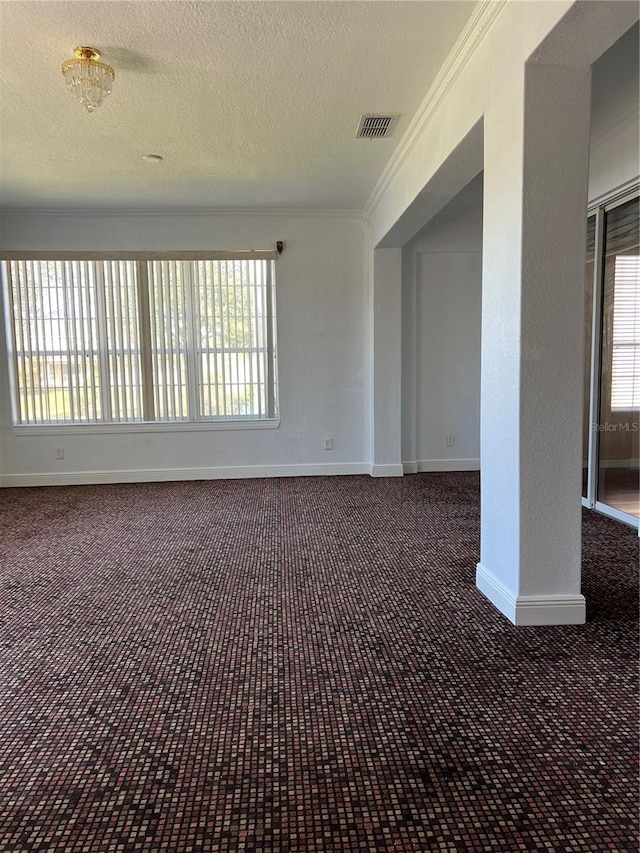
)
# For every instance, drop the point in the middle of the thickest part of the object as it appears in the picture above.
(302, 665)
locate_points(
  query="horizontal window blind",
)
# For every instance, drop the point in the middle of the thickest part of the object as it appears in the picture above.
(130, 340)
(625, 379)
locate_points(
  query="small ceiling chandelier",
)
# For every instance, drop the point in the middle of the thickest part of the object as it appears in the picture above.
(89, 80)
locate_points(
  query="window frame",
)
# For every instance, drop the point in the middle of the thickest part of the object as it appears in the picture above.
(599, 208)
(195, 423)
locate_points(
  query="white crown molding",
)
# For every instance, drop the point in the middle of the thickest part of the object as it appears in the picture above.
(318, 213)
(614, 195)
(482, 17)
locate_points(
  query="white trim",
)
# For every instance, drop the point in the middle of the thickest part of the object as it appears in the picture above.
(551, 610)
(618, 514)
(46, 430)
(614, 196)
(448, 251)
(605, 202)
(386, 470)
(482, 17)
(597, 284)
(422, 466)
(531, 609)
(427, 465)
(495, 591)
(7, 309)
(155, 475)
(185, 211)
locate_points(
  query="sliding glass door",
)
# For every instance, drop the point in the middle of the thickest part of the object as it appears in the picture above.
(611, 470)
(588, 352)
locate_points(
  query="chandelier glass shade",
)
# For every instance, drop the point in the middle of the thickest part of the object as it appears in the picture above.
(89, 80)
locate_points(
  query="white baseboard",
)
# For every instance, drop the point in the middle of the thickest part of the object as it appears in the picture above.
(73, 478)
(387, 470)
(422, 466)
(531, 609)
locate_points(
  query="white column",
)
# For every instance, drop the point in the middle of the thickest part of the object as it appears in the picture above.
(409, 359)
(535, 200)
(386, 363)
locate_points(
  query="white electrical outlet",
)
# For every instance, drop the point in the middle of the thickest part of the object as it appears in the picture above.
(450, 439)
(59, 452)
(328, 443)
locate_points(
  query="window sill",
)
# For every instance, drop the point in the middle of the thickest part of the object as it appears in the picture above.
(148, 427)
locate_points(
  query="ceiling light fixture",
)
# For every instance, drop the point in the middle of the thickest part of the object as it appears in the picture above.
(89, 80)
(152, 158)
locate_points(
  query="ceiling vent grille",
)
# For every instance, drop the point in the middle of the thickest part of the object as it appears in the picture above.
(376, 126)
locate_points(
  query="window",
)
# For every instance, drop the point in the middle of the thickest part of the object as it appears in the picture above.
(142, 340)
(612, 358)
(625, 378)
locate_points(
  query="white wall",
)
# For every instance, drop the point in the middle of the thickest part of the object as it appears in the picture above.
(615, 130)
(482, 73)
(471, 84)
(323, 345)
(386, 363)
(442, 291)
(442, 281)
(325, 297)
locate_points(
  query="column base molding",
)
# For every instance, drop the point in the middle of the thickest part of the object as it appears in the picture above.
(386, 470)
(531, 609)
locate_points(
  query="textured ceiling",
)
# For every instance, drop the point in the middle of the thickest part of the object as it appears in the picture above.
(252, 104)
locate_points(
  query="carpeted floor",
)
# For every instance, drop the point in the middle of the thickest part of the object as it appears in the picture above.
(302, 665)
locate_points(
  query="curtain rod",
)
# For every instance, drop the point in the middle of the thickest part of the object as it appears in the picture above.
(247, 255)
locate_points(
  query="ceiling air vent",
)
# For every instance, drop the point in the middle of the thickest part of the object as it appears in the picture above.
(376, 126)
